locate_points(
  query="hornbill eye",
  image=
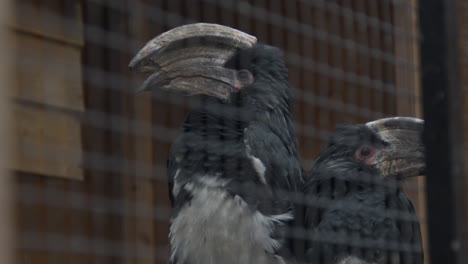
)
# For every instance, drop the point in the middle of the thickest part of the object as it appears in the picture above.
(245, 77)
(365, 153)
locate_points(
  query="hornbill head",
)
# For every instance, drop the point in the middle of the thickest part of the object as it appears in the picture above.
(403, 154)
(389, 147)
(191, 58)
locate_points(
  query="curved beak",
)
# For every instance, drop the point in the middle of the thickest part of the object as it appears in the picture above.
(404, 155)
(190, 59)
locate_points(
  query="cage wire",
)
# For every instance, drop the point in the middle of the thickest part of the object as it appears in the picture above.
(464, 61)
(463, 6)
(90, 168)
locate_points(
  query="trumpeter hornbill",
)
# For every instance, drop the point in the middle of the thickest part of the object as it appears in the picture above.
(236, 156)
(358, 212)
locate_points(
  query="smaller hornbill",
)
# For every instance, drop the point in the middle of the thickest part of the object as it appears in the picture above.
(356, 209)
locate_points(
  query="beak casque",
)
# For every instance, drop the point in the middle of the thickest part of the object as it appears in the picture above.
(404, 156)
(190, 59)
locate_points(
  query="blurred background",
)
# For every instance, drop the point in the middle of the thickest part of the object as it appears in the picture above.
(87, 155)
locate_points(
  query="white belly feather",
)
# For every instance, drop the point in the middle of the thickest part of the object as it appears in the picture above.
(215, 227)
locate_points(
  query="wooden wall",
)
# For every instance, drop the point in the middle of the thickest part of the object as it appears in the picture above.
(7, 227)
(405, 18)
(48, 86)
(117, 209)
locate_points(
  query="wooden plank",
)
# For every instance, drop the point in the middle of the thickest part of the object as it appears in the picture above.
(7, 232)
(48, 143)
(49, 21)
(407, 76)
(139, 187)
(104, 141)
(48, 72)
(43, 126)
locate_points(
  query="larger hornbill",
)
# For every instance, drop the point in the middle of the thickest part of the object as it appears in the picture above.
(357, 212)
(236, 158)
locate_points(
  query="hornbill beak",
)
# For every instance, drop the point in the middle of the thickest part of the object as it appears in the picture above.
(404, 155)
(190, 59)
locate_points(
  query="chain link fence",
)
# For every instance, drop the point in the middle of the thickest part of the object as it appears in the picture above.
(90, 154)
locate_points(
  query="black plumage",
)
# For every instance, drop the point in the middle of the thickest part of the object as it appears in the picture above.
(233, 166)
(244, 150)
(355, 215)
(236, 159)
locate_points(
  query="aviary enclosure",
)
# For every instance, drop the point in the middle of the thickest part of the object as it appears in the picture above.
(85, 155)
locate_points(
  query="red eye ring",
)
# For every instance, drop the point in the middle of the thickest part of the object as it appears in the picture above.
(364, 152)
(367, 154)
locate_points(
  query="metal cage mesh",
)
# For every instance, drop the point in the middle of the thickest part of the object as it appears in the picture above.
(90, 163)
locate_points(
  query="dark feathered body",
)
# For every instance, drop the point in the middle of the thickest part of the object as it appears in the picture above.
(355, 215)
(226, 167)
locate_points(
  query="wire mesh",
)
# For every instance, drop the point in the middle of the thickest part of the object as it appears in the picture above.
(90, 168)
